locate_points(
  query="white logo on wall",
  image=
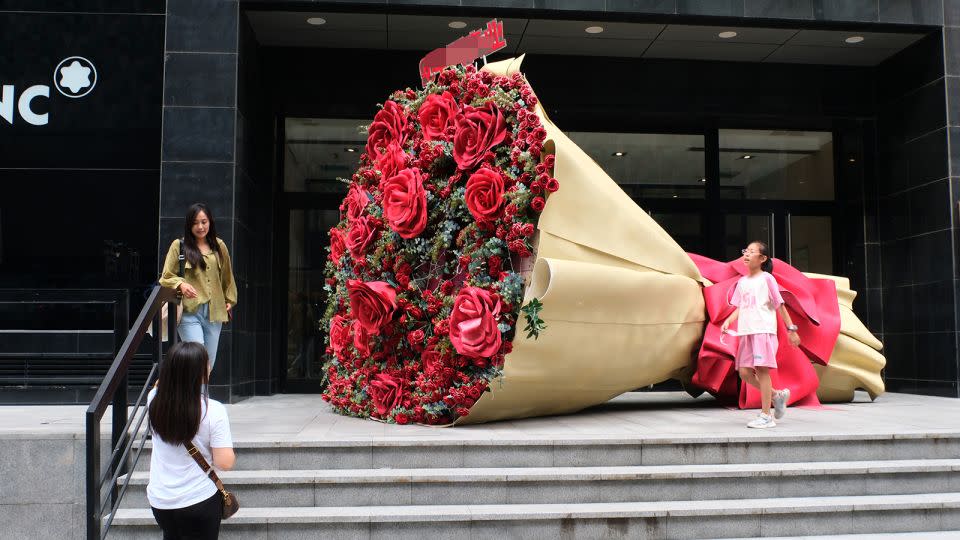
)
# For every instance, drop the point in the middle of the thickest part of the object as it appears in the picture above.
(74, 77)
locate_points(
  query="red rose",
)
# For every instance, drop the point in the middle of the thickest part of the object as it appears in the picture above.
(361, 339)
(405, 203)
(484, 196)
(437, 113)
(537, 204)
(391, 160)
(373, 303)
(337, 244)
(552, 185)
(478, 132)
(401, 418)
(389, 126)
(473, 323)
(360, 235)
(356, 202)
(386, 391)
(339, 334)
(432, 363)
(416, 337)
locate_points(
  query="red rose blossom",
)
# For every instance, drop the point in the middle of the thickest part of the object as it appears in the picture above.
(389, 126)
(360, 235)
(392, 159)
(473, 323)
(373, 303)
(537, 204)
(405, 203)
(361, 339)
(356, 202)
(478, 132)
(339, 334)
(337, 245)
(484, 195)
(386, 391)
(437, 113)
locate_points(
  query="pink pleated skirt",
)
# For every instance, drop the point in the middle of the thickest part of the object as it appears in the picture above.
(757, 350)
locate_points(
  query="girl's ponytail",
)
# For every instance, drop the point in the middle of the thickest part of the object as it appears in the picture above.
(767, 265)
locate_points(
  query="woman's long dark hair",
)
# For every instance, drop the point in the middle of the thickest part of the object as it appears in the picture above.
(190, 249)
(175, 409)
(767, 265)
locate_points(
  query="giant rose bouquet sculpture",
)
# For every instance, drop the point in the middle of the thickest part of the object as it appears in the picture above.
(468, 205)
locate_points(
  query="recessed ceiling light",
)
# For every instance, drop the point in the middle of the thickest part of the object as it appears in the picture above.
(703, 179)
(619, 154)
(746, 156)
(348, 149)
(854, 39)
(674, 196)
(852, 160)
(727, 35)
(316, 21)
(593, 29)
(457, 24)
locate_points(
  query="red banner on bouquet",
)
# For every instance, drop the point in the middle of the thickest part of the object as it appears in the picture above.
(464, 51)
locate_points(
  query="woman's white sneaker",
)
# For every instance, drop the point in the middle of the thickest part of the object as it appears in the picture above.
(762, 422)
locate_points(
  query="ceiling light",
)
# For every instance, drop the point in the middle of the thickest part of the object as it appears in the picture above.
(457, 24)
(703, 179)
(316, 21)
(746, 156)
(674, 196)
(854, 39)
(593, 29)
(727, 35)
(619, 154)
(349, 149)
(852, 160)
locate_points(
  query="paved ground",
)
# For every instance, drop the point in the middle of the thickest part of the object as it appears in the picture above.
(637, 415)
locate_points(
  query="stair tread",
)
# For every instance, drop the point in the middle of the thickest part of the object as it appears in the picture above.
(931, 535)
(503, 512)
(534, 474)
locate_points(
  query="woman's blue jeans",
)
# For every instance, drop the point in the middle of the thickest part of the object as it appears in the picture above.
(198, 328)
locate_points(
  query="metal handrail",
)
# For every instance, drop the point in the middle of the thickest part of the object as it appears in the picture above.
(114, 390)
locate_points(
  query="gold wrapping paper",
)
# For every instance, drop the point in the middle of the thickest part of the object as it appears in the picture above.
(622, 303)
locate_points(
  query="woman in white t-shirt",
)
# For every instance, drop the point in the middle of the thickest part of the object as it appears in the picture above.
(185, 501)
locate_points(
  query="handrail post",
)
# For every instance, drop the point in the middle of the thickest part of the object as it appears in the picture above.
(121, 325)
(93, 477)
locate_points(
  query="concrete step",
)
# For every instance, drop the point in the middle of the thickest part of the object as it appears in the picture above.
(540, 485)
(426, 452)
(935, 535)
(666, 519)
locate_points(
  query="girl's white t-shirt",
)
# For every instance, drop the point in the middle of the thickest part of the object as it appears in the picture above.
(176, 480)
(758, 298)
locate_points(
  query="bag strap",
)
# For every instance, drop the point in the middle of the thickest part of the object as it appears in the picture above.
(182, 259)
(207, 469)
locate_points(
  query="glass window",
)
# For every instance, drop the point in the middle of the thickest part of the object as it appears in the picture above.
(811, 244)
(649, 165)
(741, 229)
(684, 227)
(765, 164)
(317, 151)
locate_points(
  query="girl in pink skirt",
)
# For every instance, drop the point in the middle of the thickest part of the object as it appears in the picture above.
(757, 298)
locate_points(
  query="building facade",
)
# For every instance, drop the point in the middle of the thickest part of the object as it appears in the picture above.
(830, 129)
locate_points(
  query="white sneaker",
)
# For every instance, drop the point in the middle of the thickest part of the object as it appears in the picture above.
(780, 400)
(763, 421)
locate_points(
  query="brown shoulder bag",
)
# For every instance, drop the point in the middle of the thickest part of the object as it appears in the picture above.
(230, 502)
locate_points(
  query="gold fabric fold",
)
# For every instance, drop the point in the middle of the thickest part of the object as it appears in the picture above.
(609, 330)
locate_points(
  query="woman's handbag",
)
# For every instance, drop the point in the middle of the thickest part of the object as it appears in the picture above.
(164, 310)
(230, 502)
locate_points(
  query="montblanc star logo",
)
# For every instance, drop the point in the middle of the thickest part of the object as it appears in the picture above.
(75, 77)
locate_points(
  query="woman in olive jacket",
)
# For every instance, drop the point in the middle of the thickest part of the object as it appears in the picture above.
(208, 288)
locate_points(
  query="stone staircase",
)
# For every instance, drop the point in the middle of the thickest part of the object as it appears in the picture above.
(765, 484)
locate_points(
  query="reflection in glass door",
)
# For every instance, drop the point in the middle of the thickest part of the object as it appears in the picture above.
(741, 229)
(811, 243)
(305, 296)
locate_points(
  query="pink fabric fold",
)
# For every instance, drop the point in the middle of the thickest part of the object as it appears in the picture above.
(813, 306)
